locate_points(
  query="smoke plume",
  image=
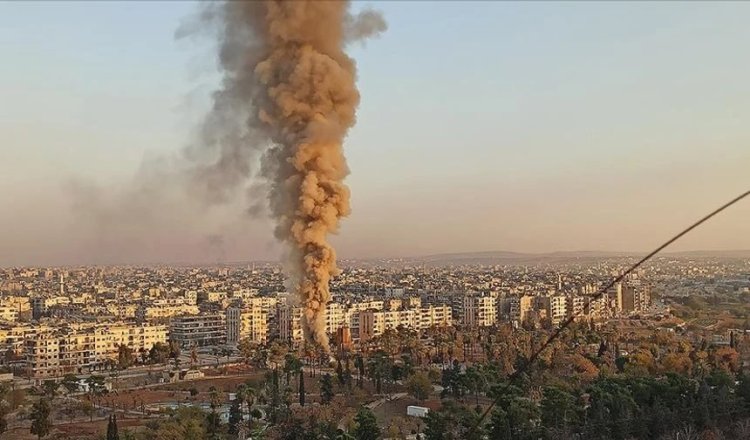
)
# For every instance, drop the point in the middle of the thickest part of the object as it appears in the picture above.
(290, 86)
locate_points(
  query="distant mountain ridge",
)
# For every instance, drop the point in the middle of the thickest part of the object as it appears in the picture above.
(520, 257)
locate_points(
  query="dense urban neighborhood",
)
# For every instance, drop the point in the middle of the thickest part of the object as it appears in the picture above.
(414, 344)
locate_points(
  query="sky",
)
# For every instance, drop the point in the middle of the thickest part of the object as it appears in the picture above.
(529, 127)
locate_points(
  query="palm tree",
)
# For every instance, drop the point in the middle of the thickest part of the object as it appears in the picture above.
(277, 353)
(292, 366)
(250, 397)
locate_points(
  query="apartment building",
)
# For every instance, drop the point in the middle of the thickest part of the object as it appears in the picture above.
(374, 322)
(198, 330)
(575, 305)
(479, 310)
(165, 308)
(56, 351)
(634, 298)
(8, 313)
(12, 337)
(121, 310)
(437, 316)
(289, 323)
(247, 322)
(556, 308)
(520, 307)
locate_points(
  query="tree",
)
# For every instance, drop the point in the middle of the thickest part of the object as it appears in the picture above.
(187, 423)
(301, 389)
(292, 366)
(558, 409)
(174, 351)
(193, 356)
(97, 385)
(359, 363)
(235, 415)
(677, 363)
(367, 425)
(3, 415)
(277, 353)
(475, 381)
(124, 356)
(245, 346)
(159, 353)
(453, 422)
(419, 385)
(87, 409)
(515, 417)
(112, 428)
(379, 369)
(40, 423)
(70, 382)
(16, 398)
(326, 389)
(50, 388)
(725, 358)
(213, 425)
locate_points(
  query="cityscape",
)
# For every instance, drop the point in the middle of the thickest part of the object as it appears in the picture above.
(371, 220)
(134, 341)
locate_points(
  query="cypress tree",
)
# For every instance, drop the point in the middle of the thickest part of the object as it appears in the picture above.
(301, 388)
(112, 428)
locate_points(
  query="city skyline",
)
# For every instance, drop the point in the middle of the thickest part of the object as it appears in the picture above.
(533, 153)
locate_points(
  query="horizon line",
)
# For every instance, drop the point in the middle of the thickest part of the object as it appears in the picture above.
(592, 253)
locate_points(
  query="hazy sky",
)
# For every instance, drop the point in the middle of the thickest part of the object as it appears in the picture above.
(483, 126)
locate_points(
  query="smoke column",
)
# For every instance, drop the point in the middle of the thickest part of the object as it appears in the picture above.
(287, 76)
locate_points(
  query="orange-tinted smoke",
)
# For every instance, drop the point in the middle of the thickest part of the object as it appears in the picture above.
(285, 65)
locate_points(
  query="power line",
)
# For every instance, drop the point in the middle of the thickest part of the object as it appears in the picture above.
(565, 324)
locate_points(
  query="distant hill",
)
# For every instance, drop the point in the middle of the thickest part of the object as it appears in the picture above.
(711, 254)
(508, 257)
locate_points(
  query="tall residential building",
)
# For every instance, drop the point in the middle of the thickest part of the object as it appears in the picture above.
(576, 304)
(520, 307)
(556, 307)
(290, 327)
(634, 298)
(199, 330)
(248, 322)
(479, 310)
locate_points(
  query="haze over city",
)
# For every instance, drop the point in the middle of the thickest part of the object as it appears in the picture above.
(319, 220)
(494, 126)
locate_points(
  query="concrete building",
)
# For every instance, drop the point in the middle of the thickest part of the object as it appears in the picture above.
(290, 327)
(634, 298)
(556, 307)
(479, 310)
(165, 309)
(575, 305)
(248, 322)
(520, 307)
(199, 330)
(8, 313)
(78, 349)
(374, 322)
